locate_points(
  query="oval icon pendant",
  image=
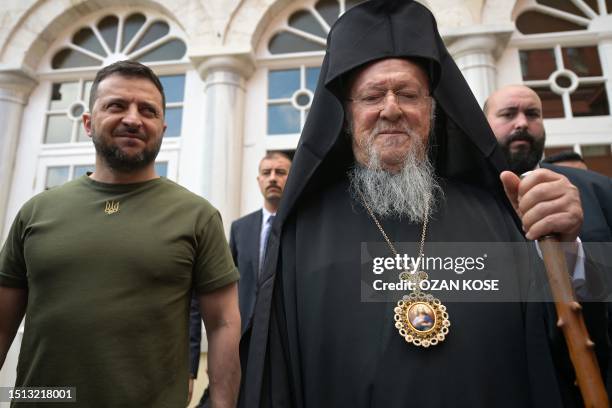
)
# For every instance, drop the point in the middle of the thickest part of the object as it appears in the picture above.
(421, 319)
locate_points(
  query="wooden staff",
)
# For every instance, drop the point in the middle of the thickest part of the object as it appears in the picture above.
(571, 322)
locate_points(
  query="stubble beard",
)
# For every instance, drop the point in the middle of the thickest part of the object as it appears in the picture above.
(118, 160)
(526, 159)
(411, 193)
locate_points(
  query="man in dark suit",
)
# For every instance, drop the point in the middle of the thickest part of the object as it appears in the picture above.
(568, 158)
(248, 235)
(515, 116)
(248, 239)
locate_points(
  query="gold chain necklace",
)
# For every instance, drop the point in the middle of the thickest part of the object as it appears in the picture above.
(420, 318)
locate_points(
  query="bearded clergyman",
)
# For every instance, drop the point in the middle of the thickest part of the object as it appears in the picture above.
(396, 149)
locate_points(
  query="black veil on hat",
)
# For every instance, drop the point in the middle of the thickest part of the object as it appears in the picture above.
(463, 147)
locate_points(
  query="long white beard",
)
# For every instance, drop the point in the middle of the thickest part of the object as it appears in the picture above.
(408, 194)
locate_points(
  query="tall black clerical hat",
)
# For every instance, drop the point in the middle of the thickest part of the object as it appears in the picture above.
(462, 147)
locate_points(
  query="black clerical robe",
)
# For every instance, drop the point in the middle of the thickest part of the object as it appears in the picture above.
(331, 349)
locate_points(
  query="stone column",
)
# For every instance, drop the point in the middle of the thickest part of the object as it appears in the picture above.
(474, 57)
(15, 88)
(224, 78)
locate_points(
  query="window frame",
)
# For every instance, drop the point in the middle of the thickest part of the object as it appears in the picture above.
(567, 131)
(281, 141)
(561, 69)
(91, 21)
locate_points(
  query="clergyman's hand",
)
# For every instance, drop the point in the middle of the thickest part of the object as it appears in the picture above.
(546, 202)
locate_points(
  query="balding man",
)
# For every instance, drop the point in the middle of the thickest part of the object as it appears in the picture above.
(515, 115)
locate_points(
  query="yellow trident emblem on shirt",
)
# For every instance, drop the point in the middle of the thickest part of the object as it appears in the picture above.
(111, 207)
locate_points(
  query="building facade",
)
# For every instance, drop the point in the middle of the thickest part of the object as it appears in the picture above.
(240, 77)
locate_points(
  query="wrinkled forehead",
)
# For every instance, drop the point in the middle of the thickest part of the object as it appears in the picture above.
(398, 71)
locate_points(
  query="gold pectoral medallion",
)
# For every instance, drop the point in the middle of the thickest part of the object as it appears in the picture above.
(420, 318)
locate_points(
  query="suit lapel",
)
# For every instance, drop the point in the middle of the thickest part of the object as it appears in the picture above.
(255, 227)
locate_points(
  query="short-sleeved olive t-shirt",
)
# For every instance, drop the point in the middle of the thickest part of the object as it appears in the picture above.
(109, 271)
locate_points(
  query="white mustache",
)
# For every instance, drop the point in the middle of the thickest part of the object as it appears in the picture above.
(382, 127)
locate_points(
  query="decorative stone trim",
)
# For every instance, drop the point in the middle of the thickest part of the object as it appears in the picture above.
(15, 86)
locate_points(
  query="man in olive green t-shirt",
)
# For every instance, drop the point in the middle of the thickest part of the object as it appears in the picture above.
(103, 268)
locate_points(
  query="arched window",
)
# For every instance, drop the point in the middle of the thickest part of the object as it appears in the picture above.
(306, 29)
(133, 37)
(69, 70)
(293, 51)
(553, 16)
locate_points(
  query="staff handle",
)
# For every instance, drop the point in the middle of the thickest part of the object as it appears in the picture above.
(571, 323)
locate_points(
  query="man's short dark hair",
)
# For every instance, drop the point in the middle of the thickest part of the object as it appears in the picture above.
(567, 155)
(275, 153)
(128, 69)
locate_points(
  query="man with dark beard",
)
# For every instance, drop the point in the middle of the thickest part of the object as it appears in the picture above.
(396, 150)
(104, 267)
(515, 115)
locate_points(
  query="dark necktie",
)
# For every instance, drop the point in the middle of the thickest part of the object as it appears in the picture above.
(264, 243)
